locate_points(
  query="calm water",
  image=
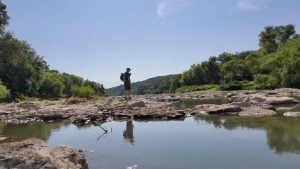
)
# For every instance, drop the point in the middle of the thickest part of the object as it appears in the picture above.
(196, 143)
(292, 108)
(191, 103)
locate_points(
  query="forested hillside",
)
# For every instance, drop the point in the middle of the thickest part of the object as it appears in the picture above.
(24, 73)
(275, 64)
(142, 87)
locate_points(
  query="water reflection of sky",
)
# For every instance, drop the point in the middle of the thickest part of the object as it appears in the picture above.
(205, 142)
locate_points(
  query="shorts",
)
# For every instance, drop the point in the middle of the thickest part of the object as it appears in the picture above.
(127, 86)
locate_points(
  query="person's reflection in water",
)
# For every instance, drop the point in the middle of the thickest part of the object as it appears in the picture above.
(128, 133)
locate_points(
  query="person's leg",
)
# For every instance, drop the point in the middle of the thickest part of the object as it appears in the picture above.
(126, 94)
(129, 94)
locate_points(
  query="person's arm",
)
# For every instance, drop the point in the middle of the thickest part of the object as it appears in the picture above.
(129, 78)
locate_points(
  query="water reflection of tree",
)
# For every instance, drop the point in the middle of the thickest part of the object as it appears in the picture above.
(283, 134)
(128, 132)
(37, 130)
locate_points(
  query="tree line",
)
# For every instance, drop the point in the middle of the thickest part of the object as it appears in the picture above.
(25, 73)
(275, 64)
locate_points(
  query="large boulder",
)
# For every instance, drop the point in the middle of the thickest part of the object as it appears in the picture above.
(34, 154)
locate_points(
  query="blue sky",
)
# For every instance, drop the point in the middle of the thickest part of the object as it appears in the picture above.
(98, 39)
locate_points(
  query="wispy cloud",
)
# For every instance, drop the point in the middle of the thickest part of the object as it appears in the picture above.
(166, 7)
(252, 5)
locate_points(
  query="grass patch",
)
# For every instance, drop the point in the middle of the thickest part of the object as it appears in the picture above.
(195, 88)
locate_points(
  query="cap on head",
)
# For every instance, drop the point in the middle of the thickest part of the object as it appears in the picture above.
(128, 69)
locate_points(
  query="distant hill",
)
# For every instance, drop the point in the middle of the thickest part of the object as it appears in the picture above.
(117, 91)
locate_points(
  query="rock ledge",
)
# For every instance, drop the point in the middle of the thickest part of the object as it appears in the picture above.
(35, 154)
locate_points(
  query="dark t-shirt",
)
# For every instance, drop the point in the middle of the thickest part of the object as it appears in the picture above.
(127, 77)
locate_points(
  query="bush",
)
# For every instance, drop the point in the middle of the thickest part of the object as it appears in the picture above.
(52, 85)
(265, 82)
(4, 92)
(235, 85)
(194, 88)
(290, 74)
(84, 92)
(249, 86)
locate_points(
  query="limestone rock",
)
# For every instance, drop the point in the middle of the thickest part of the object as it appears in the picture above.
(255, 111)
(280, 100)
(34, 154)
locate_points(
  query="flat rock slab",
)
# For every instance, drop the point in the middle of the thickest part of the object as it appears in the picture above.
(292, 114)
(217, 109)
(138, 104)
(35, 154)
(255, 111)
(164, 115)
(280, 100)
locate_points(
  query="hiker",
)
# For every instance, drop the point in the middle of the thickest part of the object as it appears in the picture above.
(125, 77)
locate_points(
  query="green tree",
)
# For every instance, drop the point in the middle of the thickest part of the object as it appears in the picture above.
(193, 75)
(235, 70)
(20, 67)
(289, 70)
(3, 17)
(275, 36)
(253, 62)
(24, 72)
(52, 85)
(71, 82)
(211, 71)
(97, 87)
(285, 64)
(225, 57)
(265, 82)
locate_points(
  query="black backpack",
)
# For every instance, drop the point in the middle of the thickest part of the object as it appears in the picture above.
(122, 77)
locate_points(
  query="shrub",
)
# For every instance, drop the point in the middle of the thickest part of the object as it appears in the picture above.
(249, 86)
(84, 92)
(265, 81)
(290, 74)
(235, 85)
(4, 92)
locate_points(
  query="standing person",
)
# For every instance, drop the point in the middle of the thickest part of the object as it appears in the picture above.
(127, 84)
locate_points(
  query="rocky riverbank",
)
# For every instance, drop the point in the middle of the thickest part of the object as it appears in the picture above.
(34, 154)
(152, 107)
